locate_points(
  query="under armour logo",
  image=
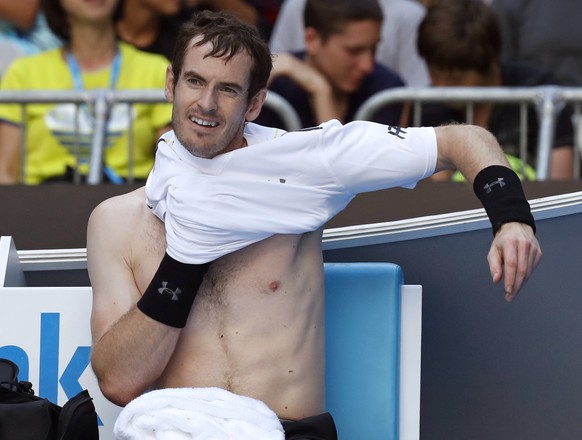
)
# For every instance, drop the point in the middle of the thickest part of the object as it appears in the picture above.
(395, 131)
(165, 289)
(489, 187)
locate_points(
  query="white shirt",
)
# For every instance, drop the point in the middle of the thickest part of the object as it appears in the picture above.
(281, 183)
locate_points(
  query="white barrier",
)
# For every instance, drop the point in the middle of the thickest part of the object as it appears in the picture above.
(45, 330)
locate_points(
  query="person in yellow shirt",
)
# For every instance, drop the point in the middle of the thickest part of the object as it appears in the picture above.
(91, 58)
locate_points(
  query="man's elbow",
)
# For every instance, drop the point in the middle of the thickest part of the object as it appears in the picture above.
(115, 386)
(117, 391)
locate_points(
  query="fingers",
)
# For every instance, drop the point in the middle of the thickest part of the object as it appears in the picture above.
(503, 260)
(513, 257)
(495, 264)
(511, 269)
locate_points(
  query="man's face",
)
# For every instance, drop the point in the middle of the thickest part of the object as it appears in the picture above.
(347, 57)
(211, 101)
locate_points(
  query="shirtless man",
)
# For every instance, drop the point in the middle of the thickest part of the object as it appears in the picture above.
(256, 325)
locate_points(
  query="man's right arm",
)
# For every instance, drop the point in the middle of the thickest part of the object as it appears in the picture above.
(515, 251)
(130, 349)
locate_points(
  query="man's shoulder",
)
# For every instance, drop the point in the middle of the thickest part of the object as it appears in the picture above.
(122, 224)
(127, 199)
(124, 206)
(256, 133)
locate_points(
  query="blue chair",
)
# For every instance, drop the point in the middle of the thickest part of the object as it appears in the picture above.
(363, 348)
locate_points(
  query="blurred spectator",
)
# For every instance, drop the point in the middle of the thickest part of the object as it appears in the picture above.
(21, 14)
(23, 31)
(91, 58)
(396, 50)
(152, 25)
(261, 13)
(543, 33)
(337, 72)
(267, 13)
(427, 3)
(461, 42)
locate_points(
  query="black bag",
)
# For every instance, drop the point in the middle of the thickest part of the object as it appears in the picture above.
(24, 416)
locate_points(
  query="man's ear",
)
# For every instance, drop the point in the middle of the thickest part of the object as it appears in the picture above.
(256, 105)
(170, 84)
(312, 40)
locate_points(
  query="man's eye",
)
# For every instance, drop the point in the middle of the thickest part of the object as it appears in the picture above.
(229, 91)
(195, 82)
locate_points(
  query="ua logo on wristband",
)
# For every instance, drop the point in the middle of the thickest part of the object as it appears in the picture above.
(166, 289)
(489, 186)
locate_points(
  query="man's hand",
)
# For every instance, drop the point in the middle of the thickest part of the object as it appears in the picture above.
(514, 254)
(316, 85)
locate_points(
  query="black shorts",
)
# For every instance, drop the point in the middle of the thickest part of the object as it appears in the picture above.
(320, 427)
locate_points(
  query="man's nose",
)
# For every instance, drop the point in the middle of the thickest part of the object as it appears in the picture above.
(208, 99)
(366, 62)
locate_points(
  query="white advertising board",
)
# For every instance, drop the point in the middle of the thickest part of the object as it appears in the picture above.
(46, 331)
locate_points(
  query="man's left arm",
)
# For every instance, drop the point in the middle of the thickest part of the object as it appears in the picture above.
(515, 251)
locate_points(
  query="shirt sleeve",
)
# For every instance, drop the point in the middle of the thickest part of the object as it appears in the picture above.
(366, 156)
(12, 80)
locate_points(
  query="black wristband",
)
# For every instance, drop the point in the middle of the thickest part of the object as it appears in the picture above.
(502, 196)
(169, 297)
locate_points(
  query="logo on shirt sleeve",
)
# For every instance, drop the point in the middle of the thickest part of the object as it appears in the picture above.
(396, 131)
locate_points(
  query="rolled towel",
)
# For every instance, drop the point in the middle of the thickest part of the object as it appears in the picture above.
(197, 413)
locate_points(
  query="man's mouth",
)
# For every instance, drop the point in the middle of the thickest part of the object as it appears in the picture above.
(203, 122)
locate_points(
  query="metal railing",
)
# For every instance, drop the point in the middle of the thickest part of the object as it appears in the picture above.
(547, 100)
(101, 101)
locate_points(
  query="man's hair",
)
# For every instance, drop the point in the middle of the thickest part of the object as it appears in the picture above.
(228, 36)
(58, 22)
(460, 35)
(329, 17)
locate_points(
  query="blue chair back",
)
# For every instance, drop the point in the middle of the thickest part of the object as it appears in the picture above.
(362, 348)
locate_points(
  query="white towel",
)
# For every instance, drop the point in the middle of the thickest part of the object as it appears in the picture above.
(197, 413)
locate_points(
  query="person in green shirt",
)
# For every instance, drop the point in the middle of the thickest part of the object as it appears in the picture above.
(91, 58)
